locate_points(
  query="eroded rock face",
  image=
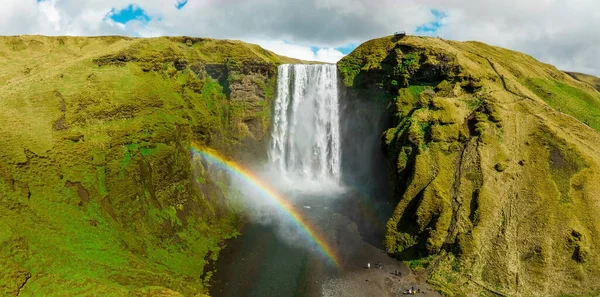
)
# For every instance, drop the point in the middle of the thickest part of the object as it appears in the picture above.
(495, 189)
(99, 191)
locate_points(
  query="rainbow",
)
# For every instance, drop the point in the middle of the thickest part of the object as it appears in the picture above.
(282, 203)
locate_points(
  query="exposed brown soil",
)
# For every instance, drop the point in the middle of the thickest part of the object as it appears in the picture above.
(83, 194)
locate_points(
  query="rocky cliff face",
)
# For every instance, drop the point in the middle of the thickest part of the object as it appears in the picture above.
(494, 160)
(98, 190)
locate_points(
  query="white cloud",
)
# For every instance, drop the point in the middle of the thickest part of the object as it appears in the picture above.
(560, 32)
(51, 14)
(328, 55)
(283, 48)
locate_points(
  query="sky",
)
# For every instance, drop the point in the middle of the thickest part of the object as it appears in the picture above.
(560, 32)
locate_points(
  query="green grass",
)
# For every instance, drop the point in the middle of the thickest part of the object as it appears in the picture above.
(367, 57)
(586, 78)
(582, 104)
(490, 180)
(116, 115)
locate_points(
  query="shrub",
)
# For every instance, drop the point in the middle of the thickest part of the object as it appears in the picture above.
(500, 167)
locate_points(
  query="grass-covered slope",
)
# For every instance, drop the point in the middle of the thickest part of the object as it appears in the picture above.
(495, 161)
(590, 79)
(99, 195)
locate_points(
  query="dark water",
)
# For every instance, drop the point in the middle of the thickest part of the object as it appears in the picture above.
(260, 263)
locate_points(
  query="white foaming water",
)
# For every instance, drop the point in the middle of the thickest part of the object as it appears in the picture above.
(305, 143)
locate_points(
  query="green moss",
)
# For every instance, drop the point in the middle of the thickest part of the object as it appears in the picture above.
(407, 99)
(444, 88)
(445, 133)
(148, 151)
(446, 146)
(105, 202)
(367, 57)
(403, 158)
(474, 103)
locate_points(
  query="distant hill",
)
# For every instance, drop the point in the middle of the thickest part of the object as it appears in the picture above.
(590, 79)
(495, 160)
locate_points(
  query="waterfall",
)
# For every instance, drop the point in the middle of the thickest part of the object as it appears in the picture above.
(305, 141)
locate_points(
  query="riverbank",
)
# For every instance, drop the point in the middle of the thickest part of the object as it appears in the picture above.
(262, 263)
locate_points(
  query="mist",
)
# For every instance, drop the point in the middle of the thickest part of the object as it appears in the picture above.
(321, 159)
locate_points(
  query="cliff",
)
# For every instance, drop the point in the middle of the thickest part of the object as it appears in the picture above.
(98, 190)
(494, 162)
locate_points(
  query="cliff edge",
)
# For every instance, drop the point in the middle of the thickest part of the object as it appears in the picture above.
(494, 159)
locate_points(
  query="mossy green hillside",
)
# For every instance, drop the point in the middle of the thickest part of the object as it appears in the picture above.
(494, 161)
(590, 79)
(99, 194)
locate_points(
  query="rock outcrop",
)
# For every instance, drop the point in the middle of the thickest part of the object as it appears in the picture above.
(494, 159)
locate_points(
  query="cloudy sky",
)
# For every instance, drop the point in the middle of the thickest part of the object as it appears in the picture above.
(561, 32)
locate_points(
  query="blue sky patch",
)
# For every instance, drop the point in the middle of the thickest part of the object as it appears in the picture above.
(181, 3)
(132, 12)
(432, 27)
(346, 49)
